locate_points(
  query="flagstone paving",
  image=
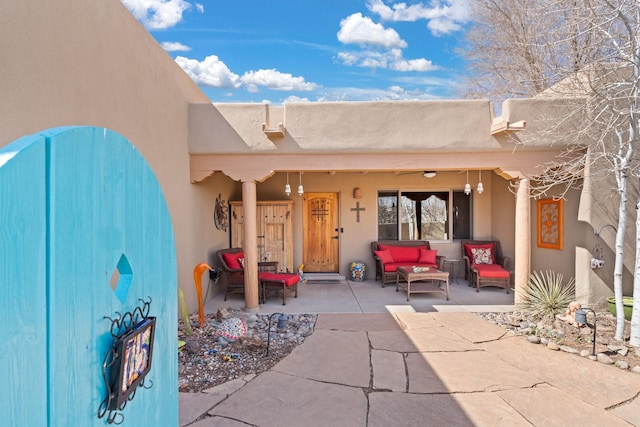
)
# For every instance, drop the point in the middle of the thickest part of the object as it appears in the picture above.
(427, 369)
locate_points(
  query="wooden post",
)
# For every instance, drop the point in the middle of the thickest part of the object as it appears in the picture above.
(250, 247)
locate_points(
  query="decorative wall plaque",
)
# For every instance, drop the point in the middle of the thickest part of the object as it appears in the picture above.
(550, 216)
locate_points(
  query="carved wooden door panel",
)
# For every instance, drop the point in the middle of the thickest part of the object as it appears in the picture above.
(320, 225)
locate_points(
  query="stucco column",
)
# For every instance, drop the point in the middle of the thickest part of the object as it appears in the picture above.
(522, 239)
(250, 246)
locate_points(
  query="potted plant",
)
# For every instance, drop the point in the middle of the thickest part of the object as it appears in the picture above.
(627, 303)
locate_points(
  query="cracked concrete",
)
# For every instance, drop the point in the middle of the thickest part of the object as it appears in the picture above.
(407, 369)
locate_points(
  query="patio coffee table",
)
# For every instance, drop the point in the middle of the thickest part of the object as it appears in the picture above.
(426, 279)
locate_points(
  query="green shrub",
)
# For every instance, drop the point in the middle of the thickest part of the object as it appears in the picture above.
(546, 295)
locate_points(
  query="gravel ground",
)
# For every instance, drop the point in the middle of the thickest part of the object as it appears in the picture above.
(208, 359)
(560, 335)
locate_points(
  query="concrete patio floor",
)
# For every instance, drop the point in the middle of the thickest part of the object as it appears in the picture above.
(370, 297)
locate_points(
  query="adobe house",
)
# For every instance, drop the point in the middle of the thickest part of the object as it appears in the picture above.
(92, 63)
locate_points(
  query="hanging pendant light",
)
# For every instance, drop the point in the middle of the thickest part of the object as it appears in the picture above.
(287, 188)
(467, 186)
(300, 187)
(480, 186)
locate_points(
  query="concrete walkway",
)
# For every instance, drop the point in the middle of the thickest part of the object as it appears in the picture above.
(420, 369)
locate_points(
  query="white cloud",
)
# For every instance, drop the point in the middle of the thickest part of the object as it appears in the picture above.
(200, 7)
(390, 59)
(210, 72)
(157, 14)
(443, 16)
(294, 98)
(175, 47)
(361, 30)
(414, 65)
(276, 80)
(395, 93)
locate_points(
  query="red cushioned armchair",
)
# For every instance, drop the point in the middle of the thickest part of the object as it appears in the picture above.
(485, 265)
(232, 270)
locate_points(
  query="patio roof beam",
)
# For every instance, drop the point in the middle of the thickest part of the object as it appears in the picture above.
(259, 167)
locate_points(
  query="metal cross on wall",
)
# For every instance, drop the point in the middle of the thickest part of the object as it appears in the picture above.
(357, 210)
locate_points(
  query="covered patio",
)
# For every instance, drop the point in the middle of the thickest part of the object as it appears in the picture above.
(379, 148)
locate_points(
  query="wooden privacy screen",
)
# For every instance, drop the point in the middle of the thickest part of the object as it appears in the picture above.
(73, 202)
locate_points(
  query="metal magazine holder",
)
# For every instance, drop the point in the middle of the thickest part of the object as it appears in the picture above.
(127, 363)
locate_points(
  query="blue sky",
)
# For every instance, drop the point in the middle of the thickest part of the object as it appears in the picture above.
(312, 50)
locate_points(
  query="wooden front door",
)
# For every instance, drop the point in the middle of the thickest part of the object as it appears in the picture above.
(320, 225)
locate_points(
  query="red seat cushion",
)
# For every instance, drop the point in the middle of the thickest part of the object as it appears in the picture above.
(385, 256)
(491, 271)
(289, 279)
(392, 267)
(232, 259)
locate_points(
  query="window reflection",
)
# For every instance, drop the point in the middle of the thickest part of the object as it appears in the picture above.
(424, 215)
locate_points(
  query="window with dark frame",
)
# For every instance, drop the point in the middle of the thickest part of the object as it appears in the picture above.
(424, 215)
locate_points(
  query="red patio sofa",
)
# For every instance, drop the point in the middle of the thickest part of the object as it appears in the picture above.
(391, 254)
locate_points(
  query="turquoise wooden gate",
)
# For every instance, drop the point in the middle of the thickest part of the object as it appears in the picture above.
(84, 233)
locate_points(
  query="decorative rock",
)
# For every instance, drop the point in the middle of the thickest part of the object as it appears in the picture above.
(534, 339)
(584, 353)
(541, 325)
(622, 364)
(568, 349)
(622, 350)
(553, 346)
(544, 340)
(636, 369)
(593, 357)
(603, 358)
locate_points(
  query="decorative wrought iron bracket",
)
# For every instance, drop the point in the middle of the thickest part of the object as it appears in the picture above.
(122, 324)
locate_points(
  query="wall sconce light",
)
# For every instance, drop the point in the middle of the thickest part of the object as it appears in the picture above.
(467, 186)
(357, 193)
(581, 318)
(300, 187)
(597, 233)
(287, 188)
(281, 326)
(480, 186)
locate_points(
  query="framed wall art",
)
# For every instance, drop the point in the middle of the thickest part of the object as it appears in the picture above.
(550, 223)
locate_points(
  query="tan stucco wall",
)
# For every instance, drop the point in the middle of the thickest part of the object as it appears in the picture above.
(503, 215)
(77, 62)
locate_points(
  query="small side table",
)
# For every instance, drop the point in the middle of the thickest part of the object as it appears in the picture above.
(451, 262)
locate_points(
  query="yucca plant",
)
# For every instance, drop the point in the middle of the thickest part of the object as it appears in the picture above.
(546, 295)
